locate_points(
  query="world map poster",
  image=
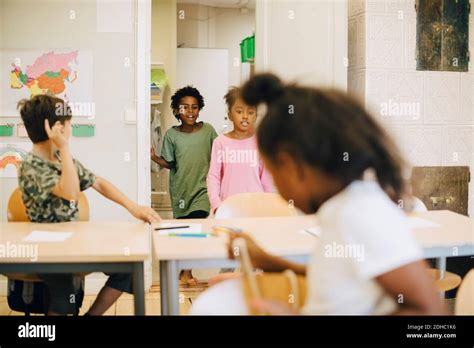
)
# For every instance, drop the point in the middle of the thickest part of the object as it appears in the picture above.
(67, 74)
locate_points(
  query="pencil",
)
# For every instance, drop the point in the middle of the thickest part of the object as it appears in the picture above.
(170, 228)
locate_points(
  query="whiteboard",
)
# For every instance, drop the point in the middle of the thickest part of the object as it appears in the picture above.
(207, 70)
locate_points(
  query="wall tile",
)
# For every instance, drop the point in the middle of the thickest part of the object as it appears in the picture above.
(467, 98)
(385, 44)
(441, 97)
(423, 145)
(405, 6)
(395, 96)
(398, 135)
(458, 145)
(375, 5)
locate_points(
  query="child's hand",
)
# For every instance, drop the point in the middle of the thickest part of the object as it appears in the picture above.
(143, 213)
(59, 134)
(258, 256)
(272, 307)
(152, 152)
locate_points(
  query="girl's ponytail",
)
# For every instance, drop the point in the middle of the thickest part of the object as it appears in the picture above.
(262, 88)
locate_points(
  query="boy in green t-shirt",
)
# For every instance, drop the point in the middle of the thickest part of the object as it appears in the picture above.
(187, 153)
(50, 181)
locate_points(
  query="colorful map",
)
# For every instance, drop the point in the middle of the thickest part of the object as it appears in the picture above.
(64, 73)
(47, 75)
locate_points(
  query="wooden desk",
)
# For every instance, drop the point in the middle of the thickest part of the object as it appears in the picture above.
(281, 236)
(278, 235)
(120, 247)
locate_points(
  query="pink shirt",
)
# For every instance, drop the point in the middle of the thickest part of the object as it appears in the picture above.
(236, 167)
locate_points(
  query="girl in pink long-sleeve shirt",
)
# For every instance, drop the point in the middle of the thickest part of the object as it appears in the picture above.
(236, 165)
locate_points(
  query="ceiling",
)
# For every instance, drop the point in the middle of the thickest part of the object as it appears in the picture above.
(221, 3)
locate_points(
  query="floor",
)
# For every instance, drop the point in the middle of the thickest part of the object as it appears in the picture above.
(124, 306)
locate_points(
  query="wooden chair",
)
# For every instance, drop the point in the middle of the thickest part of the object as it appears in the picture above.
(448, 280)
(258, 204)
(16, 212)
(465, 297)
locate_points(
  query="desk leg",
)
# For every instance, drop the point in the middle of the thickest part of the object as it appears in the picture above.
(139, 288)
(172, 289)
(441, 266)
(164, 287)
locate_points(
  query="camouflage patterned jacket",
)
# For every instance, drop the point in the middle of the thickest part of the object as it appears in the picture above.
(37, 179)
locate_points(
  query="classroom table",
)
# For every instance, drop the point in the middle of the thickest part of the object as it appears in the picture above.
(116, 247)
(283, 236)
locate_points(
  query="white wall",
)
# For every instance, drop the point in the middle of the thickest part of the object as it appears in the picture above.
(206, 69)
(211, 27)
(383, 70)
(303, 40)
(113, 90)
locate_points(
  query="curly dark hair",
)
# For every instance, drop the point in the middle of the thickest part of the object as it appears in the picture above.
(188, 91)
(324, 124)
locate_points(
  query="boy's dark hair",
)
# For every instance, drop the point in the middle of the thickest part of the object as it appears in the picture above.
(326, 129)
(231, 96)
(188, 91)
(35, 110)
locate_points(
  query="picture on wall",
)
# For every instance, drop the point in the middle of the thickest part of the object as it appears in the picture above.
(11, 154)
(67, 74)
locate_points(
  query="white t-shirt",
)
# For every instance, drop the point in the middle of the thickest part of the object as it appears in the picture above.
(363, 235)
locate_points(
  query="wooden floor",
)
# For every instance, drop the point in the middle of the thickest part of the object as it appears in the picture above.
(124, 306)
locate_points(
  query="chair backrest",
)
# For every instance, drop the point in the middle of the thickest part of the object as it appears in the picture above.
(16, 211)
(258, 204)
(465, 296)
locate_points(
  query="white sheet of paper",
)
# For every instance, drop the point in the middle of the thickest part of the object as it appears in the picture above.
(192, 229)
(314, 231)
(47, 236)
(416, 222)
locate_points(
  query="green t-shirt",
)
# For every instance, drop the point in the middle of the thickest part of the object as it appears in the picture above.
(37, 179)
(191, 155)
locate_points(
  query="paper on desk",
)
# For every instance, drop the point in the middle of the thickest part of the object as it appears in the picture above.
(47, 236)
(416, 222)
(313, 231)
(192, 229)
